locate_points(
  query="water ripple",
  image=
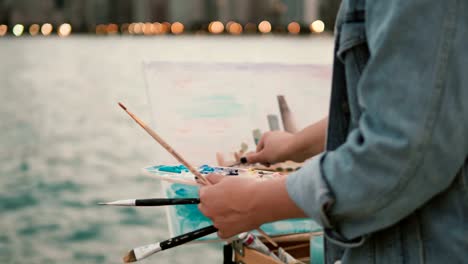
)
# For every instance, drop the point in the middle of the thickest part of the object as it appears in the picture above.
(89, 258)
(34, 229)
(18, 201)
(89, 233)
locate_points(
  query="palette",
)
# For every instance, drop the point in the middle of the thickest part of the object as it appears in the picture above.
(186, 218)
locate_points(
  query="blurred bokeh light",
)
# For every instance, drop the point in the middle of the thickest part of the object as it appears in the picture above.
(264, 27)
(216, 27)
(317, 26)
(18, 30)
(64, 30)
(234, 28)
(294, 28)
(46, 29)
(34, 29)
(3, 30)
(159, 17)
(177, 28)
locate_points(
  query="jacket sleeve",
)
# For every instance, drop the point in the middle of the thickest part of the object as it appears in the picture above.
(411, 138)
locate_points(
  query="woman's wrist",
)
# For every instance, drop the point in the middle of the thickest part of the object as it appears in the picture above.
(271, 202)
(291, 148)
(310, 141)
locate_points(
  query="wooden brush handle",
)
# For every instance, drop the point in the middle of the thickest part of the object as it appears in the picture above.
(177, 156)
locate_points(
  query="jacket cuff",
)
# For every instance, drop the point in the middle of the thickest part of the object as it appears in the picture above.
(310, 192)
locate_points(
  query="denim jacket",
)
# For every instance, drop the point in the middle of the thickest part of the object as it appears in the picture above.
(392, 186)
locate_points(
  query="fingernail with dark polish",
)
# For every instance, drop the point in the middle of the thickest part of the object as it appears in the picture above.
(243, 160)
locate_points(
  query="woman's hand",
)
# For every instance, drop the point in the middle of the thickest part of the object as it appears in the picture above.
(238, 204)
(273, 147)
(228, 203)
(278, 146)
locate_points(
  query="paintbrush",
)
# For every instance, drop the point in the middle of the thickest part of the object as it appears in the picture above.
(142, 252)
(286, 116)
(152, 133)
(273, 122)
(153, 202)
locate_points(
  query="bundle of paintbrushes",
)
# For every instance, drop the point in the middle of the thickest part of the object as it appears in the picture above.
(145, 251)
(148, 250)
(247, 239)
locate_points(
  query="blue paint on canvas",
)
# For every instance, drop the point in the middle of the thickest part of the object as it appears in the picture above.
(212, 106)
(186, 218)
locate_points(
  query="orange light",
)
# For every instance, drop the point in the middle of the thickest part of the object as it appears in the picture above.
(46, 29)
(216, 27)
(64, 30)
(229, 24)
(177, 28)
(235, 28)
(124, 28)
(138, 28)
(112, 29)
(131, 28)
(166, 27)
(250, 28)
(264, 27)
(148, 29)
(101, 29)
(34, 29)
(157, 28)
(294, 28)
(3, 30)
(317, 26)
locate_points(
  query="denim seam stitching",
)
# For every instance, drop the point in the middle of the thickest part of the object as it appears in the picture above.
(435, 103)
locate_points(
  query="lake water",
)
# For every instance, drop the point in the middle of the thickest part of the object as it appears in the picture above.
(64, 145)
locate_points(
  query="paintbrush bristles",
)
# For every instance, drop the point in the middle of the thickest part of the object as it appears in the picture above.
(152, 133)
(123, 106)
(130, 257)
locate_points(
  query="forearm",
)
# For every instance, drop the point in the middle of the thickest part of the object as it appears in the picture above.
(310, 141)
(271, 202)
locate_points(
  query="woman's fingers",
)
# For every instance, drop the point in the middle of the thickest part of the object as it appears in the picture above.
(261, 143)
(256, 157)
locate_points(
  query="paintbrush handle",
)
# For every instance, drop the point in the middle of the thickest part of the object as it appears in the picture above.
(286, 115)
(166, 146)
(174, 153)
(163, 202)
(182, 239)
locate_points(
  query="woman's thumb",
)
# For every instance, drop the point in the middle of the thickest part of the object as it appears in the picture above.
(255, 157)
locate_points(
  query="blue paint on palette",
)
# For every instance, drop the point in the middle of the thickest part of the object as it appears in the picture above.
(173, 169)
(164, 168)
(204, 169)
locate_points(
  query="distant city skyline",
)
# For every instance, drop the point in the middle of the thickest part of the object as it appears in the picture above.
(84, 15)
